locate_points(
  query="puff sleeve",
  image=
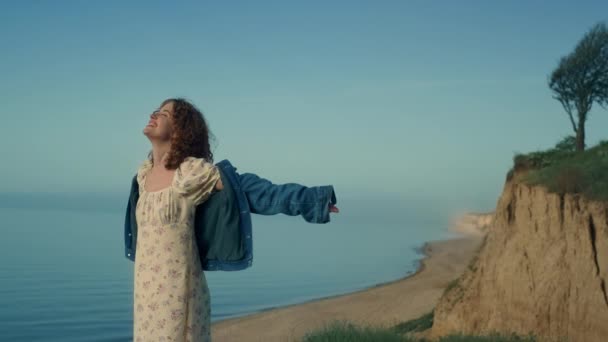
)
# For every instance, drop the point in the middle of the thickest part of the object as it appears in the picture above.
(196, 178)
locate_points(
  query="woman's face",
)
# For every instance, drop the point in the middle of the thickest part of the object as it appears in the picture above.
(160, 125)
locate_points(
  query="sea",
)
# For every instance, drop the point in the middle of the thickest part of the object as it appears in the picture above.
(64, 275)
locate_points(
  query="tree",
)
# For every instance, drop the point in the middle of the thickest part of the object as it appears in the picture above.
(581, 78)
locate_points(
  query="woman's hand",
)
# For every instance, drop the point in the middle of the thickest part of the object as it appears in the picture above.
(333, 209)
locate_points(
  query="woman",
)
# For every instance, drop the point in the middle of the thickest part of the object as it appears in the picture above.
(171, 295)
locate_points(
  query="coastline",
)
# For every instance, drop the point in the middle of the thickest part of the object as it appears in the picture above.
(384, 304)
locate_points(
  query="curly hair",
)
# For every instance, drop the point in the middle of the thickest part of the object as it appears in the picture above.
(191, 134)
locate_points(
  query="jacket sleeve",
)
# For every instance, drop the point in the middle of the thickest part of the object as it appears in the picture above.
(130, 222)
(128, 248)
(291, 199)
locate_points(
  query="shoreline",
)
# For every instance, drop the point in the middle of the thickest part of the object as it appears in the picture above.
(383, 304)
(421, 250)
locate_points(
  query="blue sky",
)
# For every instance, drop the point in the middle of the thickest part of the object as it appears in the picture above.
(417, 99)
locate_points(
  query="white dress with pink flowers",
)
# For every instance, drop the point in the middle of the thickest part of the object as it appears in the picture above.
(171, 297)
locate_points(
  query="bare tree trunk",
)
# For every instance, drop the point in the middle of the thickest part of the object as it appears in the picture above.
(580, 136)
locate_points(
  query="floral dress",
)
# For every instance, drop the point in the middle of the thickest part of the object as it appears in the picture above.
(171, 297)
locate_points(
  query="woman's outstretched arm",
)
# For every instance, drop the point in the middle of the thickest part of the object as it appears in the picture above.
(265, 198)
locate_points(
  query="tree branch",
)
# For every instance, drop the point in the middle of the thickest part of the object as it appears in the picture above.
(568, 109)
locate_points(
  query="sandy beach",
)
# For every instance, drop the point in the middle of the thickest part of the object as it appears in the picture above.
(383, 305)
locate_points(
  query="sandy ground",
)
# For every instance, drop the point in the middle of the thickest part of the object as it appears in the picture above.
(383, 305)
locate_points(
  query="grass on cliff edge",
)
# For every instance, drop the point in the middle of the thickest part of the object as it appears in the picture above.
(562, 170)
(344, 331)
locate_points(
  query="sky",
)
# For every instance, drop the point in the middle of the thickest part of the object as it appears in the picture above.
(406, 99)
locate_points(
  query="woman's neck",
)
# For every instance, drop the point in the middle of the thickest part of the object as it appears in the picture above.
(160, 151)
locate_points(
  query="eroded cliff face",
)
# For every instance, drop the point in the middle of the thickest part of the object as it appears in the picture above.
(542, 269)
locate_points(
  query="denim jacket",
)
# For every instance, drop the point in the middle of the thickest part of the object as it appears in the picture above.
(222, 223)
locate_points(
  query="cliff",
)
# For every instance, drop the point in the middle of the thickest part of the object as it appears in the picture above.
(542, 269)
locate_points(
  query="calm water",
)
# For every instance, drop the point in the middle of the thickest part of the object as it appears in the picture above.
(64, 276)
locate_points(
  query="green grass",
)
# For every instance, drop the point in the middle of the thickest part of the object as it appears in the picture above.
(419, 324)
(344, 331)
(452, 285)
(564, 171)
